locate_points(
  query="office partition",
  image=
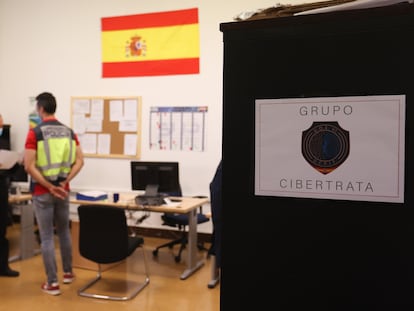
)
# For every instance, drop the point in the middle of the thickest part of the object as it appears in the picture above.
(324, 252)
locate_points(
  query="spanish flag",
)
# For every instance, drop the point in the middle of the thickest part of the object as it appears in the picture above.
(152, 44)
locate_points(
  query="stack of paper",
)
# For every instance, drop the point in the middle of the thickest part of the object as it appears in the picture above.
(8, 159)
(355, 5)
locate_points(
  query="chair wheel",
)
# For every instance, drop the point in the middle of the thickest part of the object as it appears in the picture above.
(177, 258)
(155, 252)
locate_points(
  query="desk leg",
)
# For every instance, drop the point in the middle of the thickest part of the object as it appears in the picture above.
(193, 264)
(27, 236)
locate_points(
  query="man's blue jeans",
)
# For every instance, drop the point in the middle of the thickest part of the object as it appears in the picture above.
(53, 214)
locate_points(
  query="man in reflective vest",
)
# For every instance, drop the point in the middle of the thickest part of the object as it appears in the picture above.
(53, 157)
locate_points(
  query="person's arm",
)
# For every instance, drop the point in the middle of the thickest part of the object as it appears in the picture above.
(76, 167)
(30, 167)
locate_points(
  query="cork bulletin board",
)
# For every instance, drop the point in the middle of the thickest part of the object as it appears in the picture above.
(108, 127)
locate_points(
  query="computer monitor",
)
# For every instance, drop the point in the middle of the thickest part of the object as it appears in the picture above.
(18, 174)
(5, 137)
(165, 175)
(17, 179)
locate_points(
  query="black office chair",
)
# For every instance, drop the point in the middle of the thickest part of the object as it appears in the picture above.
(104, 239)
(181, 222)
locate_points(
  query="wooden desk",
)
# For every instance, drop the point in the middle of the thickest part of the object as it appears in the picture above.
(18, 198)
(188, 205)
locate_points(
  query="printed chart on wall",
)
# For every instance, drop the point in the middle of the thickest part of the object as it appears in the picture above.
(178, 128)
(108, 126)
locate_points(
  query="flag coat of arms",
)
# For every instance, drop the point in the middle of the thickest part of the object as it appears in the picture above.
(151, 44)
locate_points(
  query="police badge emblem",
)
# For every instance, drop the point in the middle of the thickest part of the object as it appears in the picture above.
(325, 146)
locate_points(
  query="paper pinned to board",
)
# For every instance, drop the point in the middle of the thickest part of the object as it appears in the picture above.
(8, 159)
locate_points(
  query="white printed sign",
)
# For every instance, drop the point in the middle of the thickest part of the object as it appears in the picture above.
(346, 148)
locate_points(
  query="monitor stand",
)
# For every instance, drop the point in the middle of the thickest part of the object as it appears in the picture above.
(151, 190)
(151, 196)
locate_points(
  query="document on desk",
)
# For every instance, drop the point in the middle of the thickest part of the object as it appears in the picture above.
(91, 195)
(169, 203)
(8, 159)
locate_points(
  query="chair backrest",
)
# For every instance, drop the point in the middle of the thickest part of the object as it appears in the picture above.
(169, 218)
(103, 233)
(176, 193)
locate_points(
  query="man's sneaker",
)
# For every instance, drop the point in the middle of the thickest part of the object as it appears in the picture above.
(51, 289)
(68, 277)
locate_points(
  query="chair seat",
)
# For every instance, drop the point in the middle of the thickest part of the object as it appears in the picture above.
(173, 219)
(133, 243)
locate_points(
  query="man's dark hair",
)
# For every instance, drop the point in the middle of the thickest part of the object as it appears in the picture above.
(47, 101)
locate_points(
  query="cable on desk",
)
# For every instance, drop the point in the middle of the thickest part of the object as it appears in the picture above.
(142, 218)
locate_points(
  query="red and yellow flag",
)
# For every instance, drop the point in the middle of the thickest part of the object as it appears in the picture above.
(152, 44)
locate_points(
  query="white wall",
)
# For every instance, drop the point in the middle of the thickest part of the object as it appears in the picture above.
(54, 45)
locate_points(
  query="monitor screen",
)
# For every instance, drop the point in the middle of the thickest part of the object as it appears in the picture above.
(5, 137)
(18, 174)
(165, 175)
